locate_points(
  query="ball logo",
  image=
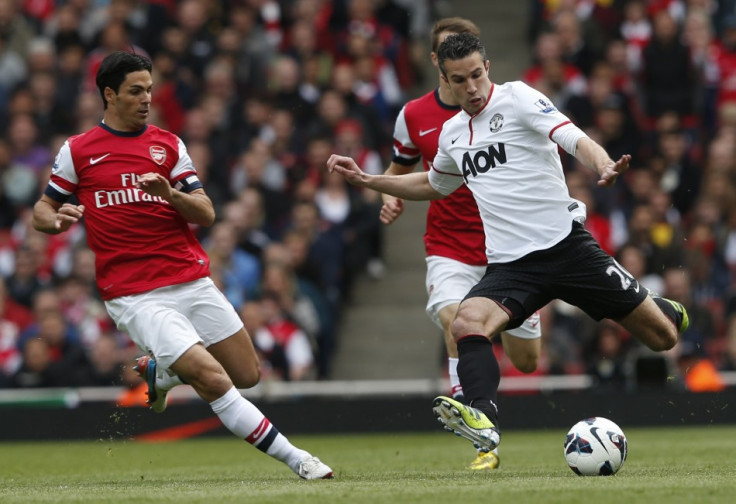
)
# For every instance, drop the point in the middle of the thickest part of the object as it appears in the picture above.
(158, 154)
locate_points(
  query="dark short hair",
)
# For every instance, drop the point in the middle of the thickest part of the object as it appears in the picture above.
(459, 46)
(115, 68)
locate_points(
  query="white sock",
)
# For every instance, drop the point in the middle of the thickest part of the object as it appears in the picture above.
(247, 422)
(455, 387)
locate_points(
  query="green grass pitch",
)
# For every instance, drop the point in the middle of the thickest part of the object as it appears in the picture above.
(669, 465)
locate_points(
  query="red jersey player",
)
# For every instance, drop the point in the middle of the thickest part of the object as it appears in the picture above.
(454, 239)
(138, 191)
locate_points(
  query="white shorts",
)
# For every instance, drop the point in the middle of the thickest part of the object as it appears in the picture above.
(447, 283)
(166, 322)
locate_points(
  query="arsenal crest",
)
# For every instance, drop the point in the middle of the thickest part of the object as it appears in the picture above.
(158, 154)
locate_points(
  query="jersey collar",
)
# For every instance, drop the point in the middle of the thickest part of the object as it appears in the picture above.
(123, 133)
(443, 104)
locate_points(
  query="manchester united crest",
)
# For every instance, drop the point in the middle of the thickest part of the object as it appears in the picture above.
(496, 123)
(158, 154)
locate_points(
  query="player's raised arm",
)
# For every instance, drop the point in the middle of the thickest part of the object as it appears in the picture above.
(52, 217)
(413, 186)
(596, 158)
(393, 207)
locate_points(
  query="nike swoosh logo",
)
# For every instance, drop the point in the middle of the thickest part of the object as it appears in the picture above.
(594, 431)
(97, 160)
(426, 132)
(455, 140)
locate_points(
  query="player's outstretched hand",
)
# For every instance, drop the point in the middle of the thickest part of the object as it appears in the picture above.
(67, 215)
(348, 168)
(391, 210)
(611, 173)
(154, 184)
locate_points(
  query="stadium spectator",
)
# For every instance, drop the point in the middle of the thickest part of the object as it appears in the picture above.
(284, 344)
(26, 280)
(105, 362)
(726, 61)
(279, 282)
(307, 274)
(59, 361)
(577, 49)
(246, 215)
(239, 271)
(678, 175)
(702, 331)
(83, 309)
(256, 168)
(15, 30)
(36, 369)
(14, 318)
(606, 358)
(549, 72)
(636, 32)
(326, 247)
(28, 151)
(667, 78)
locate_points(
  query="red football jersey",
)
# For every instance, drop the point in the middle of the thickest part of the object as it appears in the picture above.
(140, 241)
(454, 228)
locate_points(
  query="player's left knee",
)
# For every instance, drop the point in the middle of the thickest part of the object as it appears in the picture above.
(248, 377)
(665, 339)
(528, 364)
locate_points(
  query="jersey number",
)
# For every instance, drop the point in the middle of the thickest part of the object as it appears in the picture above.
(623, 275)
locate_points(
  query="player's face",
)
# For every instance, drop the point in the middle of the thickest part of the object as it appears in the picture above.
(468, 81)
(131, 105)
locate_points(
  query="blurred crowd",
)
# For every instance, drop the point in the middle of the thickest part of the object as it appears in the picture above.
(263, 91)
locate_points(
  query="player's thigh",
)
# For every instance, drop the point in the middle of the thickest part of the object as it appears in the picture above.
(479, 316)
(239, 358)
(522, 352)
(155, 324)
(211, 313)
(222, 331)
(587, 277)
(447, 282)
(515, 289)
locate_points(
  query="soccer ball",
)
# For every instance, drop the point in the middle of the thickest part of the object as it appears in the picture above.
(595, 447)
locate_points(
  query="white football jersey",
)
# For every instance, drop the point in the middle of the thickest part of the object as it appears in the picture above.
(507, 157)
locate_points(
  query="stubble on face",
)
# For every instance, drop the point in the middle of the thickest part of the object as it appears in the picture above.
(468, 81)
(132, 104)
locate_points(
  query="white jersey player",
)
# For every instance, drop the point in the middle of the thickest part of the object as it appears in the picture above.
(503, 146)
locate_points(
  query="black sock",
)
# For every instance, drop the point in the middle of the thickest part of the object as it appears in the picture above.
(669, 310)
(479, 374)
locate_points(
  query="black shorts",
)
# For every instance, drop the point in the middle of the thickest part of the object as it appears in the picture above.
(576, 270)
